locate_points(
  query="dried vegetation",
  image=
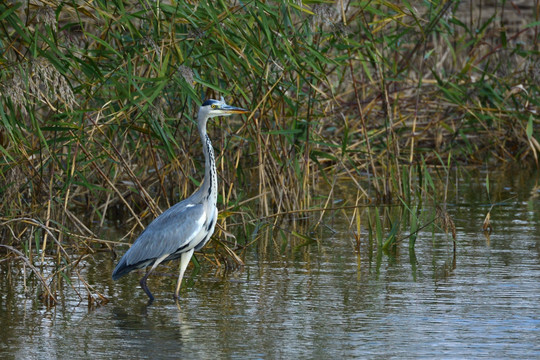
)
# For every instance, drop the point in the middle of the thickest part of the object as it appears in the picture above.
(98, 103)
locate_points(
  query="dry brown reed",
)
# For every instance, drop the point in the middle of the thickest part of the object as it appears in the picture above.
(98, 104)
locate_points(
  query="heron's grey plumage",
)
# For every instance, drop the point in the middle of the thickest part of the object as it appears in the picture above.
(188, 225)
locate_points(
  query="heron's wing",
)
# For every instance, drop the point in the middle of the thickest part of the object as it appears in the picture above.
(173, 229)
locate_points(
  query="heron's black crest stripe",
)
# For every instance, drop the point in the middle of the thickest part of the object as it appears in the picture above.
(210, 102)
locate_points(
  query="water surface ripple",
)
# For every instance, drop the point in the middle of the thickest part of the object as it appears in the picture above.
(318, 303)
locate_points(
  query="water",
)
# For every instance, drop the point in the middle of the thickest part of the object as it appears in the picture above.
(321, 301)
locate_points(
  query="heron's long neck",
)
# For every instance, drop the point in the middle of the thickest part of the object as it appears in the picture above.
(209, 186)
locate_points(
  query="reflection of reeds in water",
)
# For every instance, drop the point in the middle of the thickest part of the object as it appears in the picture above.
(96, 123)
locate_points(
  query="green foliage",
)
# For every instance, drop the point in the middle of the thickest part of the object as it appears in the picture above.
(99, 99)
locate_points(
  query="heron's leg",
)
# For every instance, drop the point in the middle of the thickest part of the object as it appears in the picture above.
(184, 261)
(143, 280)
(145, 287)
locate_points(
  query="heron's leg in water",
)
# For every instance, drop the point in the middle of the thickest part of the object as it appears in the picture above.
(145, 287)
(184, 261)
(143, 280)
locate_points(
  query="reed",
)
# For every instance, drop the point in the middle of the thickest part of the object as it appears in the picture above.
(98, 103)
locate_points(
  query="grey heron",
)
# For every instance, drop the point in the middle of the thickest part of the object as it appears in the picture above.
(186, 226)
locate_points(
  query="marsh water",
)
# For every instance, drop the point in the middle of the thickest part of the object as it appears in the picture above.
(318, 301)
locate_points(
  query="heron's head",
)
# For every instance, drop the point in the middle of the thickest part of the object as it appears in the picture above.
(212, 108)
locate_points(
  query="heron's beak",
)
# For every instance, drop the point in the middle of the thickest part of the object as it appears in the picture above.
(233, 110)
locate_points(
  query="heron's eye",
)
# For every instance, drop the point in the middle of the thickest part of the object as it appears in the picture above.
(214, 106)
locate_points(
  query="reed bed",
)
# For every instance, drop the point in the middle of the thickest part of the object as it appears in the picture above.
(97, 123)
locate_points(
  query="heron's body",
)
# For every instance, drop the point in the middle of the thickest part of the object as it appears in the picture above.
(188, 225)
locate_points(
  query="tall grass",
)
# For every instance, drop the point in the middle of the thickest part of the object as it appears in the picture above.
(98, 103)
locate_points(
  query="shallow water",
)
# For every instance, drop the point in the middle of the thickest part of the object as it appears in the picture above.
(319, 302)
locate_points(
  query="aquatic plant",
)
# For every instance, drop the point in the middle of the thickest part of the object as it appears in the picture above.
(98, 101)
